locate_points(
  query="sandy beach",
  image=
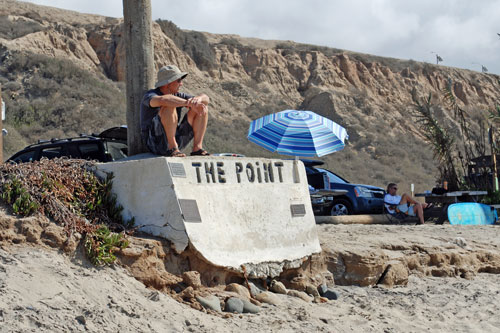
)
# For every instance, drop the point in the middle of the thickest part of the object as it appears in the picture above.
(45, 290)
(42, 291)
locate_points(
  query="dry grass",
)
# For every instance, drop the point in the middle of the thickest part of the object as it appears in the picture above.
(46, 96)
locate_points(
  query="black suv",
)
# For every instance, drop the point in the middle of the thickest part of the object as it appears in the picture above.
(359, 199)
(110, 145)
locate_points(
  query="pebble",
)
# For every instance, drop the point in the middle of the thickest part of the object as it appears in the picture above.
(248, 307)
(312, 290)
(81, 319)
(239, 289)
(278, 287)
(154, 296)
(268, 297)
(256, 302)
(460, 242)
(319, 299)
(254, 290)
(210, 302)
(234, 304)
(300, 294)
(322, 289)
(331, 294)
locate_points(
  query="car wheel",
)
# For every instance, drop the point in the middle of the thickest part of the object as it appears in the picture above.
(341, 207)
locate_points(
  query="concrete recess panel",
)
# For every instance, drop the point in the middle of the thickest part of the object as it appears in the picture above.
(234, 211)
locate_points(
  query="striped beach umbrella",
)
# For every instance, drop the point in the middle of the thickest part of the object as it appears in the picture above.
(297, 133)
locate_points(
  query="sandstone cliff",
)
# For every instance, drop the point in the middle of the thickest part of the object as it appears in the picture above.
(247, 78)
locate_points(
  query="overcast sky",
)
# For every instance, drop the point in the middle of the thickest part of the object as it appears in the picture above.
(462, 32)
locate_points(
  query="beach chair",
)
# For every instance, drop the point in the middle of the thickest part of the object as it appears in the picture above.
(397, 217)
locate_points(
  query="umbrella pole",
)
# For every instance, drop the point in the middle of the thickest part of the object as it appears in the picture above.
(296, 178)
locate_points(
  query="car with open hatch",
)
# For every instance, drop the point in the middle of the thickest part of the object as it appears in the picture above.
(107, 146)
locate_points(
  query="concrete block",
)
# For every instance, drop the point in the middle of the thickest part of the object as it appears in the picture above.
(254, 212)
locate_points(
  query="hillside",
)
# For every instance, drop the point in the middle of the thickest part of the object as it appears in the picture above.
(62, 74)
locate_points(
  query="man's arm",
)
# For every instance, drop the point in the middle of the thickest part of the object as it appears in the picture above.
(175, 101)
(201, 99)
(170, 101)
(391, 199)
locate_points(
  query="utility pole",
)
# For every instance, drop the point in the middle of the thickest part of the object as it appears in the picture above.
(137, 26)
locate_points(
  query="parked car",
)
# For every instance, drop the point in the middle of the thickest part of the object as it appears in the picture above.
(109, 145)
(318, 201)
(322, 199)
(359, 199)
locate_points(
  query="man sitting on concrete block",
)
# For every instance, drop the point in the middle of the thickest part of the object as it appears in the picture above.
(161, 110)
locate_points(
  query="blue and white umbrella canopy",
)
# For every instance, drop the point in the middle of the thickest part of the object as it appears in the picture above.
(297, 133)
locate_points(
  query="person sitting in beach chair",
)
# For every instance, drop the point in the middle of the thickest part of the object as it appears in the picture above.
(403, 204)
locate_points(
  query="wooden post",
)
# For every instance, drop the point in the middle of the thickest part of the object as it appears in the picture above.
(140, 69)
(493, 158)
(1, 128)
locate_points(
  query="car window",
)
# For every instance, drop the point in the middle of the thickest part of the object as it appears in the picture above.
(116, 150)
(90, 151)
(310, 170)
(333, 177)
(51, 152)
(25, 157)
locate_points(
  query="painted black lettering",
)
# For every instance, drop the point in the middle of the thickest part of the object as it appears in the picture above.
(268, 172)
(279, 165)
(239, 169)
(197, 166)
(210, 172)
(259, 175)
(250, 172)
(220, 172)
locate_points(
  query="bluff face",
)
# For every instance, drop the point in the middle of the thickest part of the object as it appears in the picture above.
(247, 78)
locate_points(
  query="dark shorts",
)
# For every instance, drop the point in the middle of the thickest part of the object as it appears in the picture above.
(156, 139)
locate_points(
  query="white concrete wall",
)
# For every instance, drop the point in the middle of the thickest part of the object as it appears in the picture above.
(244, 220)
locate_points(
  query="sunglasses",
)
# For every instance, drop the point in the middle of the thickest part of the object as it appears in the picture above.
(394, 188)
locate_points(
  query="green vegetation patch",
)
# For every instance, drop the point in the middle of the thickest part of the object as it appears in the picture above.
(69, 192)
(101, 244)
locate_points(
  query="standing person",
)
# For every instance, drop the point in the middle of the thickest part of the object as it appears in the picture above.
(404, 204)
(161, 110)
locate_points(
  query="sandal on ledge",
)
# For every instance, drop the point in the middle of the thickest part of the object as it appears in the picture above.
(200, 152)
(177, 153)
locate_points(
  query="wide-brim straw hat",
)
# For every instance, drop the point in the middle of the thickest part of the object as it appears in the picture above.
(168, 74)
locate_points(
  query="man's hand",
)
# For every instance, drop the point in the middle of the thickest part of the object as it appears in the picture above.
(196, 104)
(196, 100)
